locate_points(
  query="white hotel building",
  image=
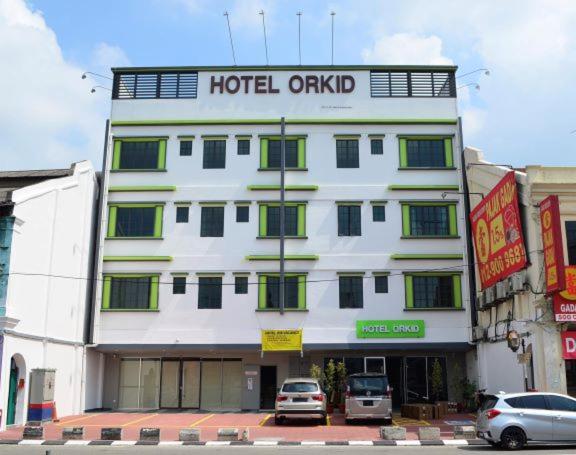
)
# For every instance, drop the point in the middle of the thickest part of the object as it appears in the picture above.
(189, 247)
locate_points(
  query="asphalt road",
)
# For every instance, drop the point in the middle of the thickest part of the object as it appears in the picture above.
(347, 450)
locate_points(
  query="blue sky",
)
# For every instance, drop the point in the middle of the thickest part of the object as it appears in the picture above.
(522, 114)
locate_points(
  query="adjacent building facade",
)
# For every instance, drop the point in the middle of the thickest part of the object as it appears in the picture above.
(525, 309)
(375, 252)
(46, 220)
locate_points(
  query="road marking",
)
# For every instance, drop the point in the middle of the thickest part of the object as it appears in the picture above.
(170, 443)
(313, 443)
(360, 443)
(218, 443)
(141, 419)
(123, 443)
(265, 443)
(455, 442)
(193, 424)
(76, 443)
(80, 419)
(328, 421)
(31, 442)
(263, 421)
(408, 443)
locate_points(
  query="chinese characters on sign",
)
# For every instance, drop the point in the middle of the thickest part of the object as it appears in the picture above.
(569, 345)
(552, 243)
(497, 232)
(565, 301)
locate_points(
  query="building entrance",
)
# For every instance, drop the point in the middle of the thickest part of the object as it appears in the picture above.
(268, 386)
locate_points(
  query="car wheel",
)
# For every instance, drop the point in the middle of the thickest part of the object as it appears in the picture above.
(278, 420)
(323, 420)
(513, 439)
(388, 422)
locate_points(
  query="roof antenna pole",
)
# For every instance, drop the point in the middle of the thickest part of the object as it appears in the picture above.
(299, 14)
(230, 35)
(265, 40)
(332, 14)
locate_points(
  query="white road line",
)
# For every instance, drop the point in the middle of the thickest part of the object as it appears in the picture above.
(31, 442)
(455, 442)
(218, 443)
(313, 443)
(408, 443)
(123, 443)
(170, 443)
(265, 443)
(77, 442)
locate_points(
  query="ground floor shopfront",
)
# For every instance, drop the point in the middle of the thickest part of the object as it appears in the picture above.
(249, 380)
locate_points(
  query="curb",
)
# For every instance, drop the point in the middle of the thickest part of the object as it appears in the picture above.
(57, 442)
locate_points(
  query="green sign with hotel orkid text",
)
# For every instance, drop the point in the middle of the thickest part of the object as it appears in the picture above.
(390, 329)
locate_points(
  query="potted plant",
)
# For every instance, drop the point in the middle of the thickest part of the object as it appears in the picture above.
(341, 374)
(437, 381)
(329, 385)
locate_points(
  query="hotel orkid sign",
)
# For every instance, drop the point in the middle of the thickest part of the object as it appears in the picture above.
(497, 232)
(297, 83)
(390, 329)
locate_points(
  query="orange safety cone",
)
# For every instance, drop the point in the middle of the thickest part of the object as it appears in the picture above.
(54, 413)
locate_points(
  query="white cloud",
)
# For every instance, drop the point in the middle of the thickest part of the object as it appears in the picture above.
(48, 117)
(406, 49)
(106, 56)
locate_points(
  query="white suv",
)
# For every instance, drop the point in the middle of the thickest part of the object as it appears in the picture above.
(300, 398)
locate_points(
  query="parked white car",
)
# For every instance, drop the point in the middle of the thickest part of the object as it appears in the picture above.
(300, 398)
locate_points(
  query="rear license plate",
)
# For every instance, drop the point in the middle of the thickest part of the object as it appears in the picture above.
(299, 400)
(368, 403)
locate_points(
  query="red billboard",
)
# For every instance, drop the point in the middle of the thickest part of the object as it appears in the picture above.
(569, 345)
(552, 242)
(497, 233)
(565, 301)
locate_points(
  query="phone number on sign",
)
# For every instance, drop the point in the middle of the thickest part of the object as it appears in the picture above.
(565, 317)
(499, 265)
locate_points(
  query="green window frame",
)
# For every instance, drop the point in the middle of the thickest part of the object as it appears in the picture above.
(448, 151)
(407, 225)
(112, 219)
(263, 291)
(117, 153)
(301, 218)
(456, 290)
(301, 146)
(152, 295)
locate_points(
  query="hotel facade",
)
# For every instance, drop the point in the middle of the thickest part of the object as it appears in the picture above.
(376, 264)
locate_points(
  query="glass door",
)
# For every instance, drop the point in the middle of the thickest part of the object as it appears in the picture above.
(149, 384)
(129, 384)
(375, 365)
(170, 389)
(190, 384)
(231, 384)
(211, 385)
(416, 378)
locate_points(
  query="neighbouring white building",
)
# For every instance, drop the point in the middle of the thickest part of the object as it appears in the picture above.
(376, 263)
(46, 225)
(529, 312)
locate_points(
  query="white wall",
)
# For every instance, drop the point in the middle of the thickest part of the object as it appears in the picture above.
(51, 240)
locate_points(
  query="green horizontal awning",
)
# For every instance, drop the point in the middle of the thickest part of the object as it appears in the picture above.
(126, 189)
(287, 187)
(423, 187)
(137, 258)
(426, 256)
(288, 257)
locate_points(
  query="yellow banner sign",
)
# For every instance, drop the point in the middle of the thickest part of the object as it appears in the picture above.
(281, 340)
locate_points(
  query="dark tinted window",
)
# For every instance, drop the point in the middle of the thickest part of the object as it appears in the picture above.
(290, 292)
(381, 284)
(347, 153)
(433, 291)
(290, 221)
(299, 387)
(210, 293)
(130, 293)
(291, 153)
(376, 147)
(349, 221)
(351, 292)
(179, 285)
(212, 222)
(242, 213)
(135, 221)
(571, 241)
(425, 153)
(489, 401)
(368, 386)
(241, 285)
(185, 148)
(429, 220)
(561, 403)
(354, 365)
(139, 155)
(243, 147)
(182, 214)
(534, 402)
(378, 213)
(214, 154)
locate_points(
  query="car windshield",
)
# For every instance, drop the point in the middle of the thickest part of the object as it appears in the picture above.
(364, 385)
(300, 387)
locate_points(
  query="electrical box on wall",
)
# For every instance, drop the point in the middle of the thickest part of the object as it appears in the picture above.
(41, 399)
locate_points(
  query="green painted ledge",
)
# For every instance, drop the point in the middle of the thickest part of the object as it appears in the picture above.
(288, 257)
(126, 189)
(423, 187)
(399, 257)
(137, 258)
(289, 121)
(287, 187)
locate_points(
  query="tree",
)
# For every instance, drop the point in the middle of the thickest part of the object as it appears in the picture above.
(437, 380)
